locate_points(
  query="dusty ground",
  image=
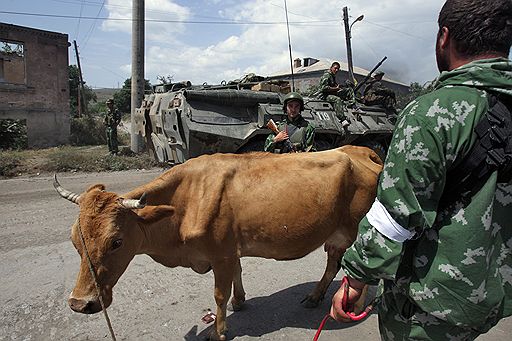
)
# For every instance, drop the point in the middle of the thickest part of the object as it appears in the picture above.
(38, 266)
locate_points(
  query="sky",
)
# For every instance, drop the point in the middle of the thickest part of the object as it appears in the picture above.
(215, 40)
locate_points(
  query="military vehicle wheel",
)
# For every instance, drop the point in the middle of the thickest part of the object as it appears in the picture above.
(321, 144)
(252, 146)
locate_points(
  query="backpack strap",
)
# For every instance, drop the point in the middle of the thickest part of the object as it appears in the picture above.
(491, 152)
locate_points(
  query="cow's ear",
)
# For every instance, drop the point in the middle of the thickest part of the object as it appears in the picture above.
(97, 186)
(153, 214)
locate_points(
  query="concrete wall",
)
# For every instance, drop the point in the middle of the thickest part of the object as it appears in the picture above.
(41, 96)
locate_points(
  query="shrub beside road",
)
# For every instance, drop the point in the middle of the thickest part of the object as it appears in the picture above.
(71, 159)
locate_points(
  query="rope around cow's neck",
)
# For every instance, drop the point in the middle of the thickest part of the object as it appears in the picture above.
(91, 268)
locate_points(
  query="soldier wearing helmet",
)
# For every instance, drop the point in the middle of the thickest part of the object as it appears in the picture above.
(112, 119)
(293, 127)
(377, 94)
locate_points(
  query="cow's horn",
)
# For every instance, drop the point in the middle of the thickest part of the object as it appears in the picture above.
(73, 197)
(133, 203)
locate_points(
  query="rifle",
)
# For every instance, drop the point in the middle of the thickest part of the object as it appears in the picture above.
(273, 126)
(369, 75)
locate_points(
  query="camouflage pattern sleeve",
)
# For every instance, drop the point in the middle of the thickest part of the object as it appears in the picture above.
(324, 82)
(372, 256)
(410, 186)
(270, 146)
(117, 115)
(309, 138)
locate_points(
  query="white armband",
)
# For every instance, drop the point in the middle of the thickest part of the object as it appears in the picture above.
(382, 221)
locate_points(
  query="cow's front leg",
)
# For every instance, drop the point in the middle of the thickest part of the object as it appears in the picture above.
(335, 247)
(223, 274)
(238, 289)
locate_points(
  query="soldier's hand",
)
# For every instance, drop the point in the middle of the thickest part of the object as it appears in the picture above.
(283, 135)
(338, 310)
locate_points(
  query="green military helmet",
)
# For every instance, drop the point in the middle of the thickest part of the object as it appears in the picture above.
(378, 74)
(293, 96)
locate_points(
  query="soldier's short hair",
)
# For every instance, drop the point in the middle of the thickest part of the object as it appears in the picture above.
(478, 26)
(336, 64)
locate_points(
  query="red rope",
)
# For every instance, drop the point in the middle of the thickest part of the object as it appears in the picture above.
(322, 324)
(344, 306)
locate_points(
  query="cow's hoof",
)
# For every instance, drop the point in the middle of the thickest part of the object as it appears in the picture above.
(236, 305)
(309, 302)
(215, 337)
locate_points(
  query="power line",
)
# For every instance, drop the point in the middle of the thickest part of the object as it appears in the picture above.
(78, 23)
(89, 33)
(171, 21)
(200, 22)
(394, 30)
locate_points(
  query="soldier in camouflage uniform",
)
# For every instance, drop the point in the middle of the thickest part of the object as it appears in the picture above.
(112, 119)
(446, 269)
(294, 127)
(377, 94)
(331, 91)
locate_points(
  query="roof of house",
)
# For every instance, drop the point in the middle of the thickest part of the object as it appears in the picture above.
(325, 64)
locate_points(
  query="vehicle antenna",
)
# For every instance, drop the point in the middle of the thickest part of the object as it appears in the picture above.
(289, 45)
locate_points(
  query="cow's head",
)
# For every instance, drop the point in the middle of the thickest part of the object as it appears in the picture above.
(112, 233)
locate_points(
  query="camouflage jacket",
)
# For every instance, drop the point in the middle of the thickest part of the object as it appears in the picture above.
(328, 80)
(461, 266)
(112, 118)
(300, 132)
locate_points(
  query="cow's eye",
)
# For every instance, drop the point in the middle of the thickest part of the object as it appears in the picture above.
(117, 243)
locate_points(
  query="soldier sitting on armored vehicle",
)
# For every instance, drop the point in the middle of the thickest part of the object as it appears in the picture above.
(331, 91)
(295, 134)
(377, 94)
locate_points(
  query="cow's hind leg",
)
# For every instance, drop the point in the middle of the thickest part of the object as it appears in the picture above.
(223, 273)
(335, 247)
(238, 290)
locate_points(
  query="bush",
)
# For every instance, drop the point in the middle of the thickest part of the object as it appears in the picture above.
(70, 158)
(9, 163)
(13, 134)
(87, 130)
(95, 159)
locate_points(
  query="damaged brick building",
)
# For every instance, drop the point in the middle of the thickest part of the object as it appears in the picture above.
(34, 85)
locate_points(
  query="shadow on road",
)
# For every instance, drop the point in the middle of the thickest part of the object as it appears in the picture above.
(264, 315)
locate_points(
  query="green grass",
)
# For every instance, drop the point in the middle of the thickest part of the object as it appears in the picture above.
(71, 159)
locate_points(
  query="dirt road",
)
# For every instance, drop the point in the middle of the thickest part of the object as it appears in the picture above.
(151, 302)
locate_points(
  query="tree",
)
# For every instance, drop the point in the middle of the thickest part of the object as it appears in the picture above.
(122, 98)
(74, 81)
(415, 90)
(165, 79)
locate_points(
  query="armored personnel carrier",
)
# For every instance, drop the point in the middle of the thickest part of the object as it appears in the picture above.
(181, 121)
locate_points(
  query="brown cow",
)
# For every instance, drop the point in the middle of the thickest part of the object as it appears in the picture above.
(210, 211)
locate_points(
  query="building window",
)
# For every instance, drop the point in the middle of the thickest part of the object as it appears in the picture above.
(12, 62)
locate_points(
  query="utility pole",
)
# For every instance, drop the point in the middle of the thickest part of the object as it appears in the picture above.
(348, 36)
(289, 46)
(137, 86)
(349, 47)
(81, 93)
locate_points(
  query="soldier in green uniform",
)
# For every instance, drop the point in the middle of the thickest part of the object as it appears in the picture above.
(331, 91)
(112, 119)
(446, 269)
(377, 94)
(294, 128)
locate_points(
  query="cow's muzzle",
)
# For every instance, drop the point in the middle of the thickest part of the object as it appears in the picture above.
(84, 306)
